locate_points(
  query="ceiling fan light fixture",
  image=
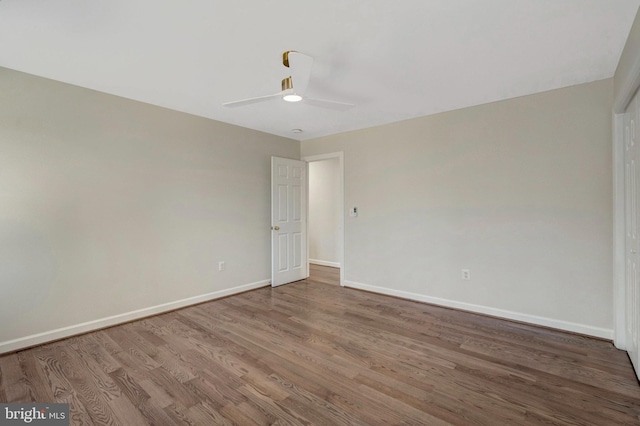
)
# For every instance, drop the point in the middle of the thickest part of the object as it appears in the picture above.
(300, 66)
(292, 97)
(287, 88)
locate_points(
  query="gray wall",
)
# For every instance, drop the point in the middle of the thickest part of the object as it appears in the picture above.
(111, 209)
(519, 192)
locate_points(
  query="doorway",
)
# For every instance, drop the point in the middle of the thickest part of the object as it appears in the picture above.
(325, 217)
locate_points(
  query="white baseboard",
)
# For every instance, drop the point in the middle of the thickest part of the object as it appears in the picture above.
(61, 333)
(602, 333)
(324, 263)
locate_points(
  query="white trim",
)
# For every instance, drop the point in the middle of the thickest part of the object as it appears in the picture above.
(320, 157)
(324, 263)
(619, 252)
(340, 156)
(516, 316)
(61, 333)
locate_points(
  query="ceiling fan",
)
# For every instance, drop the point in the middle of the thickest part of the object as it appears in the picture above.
(294, 86)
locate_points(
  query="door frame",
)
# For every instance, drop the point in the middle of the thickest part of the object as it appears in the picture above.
(619, 230)
(340, 156)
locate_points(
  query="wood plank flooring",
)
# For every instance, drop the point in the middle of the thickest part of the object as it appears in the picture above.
(324, 274)
(317, 353)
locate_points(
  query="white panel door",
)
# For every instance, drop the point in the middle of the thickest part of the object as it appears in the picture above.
(632, 243)
(288, 220)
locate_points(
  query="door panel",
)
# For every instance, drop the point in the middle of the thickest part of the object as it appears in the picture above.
(288, 220)
(632, 243)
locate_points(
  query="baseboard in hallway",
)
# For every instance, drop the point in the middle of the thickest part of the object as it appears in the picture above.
(324, 263)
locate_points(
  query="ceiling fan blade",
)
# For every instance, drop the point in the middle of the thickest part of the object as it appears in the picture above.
(300, 66)
(252, 100)
(322, 103)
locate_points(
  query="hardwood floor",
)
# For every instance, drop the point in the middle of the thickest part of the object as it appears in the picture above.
(316, 353)
(324, 274)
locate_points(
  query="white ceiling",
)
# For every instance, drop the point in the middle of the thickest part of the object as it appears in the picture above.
(394, 59)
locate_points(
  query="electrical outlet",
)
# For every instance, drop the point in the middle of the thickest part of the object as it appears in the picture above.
(466, 275)
(222, 266)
